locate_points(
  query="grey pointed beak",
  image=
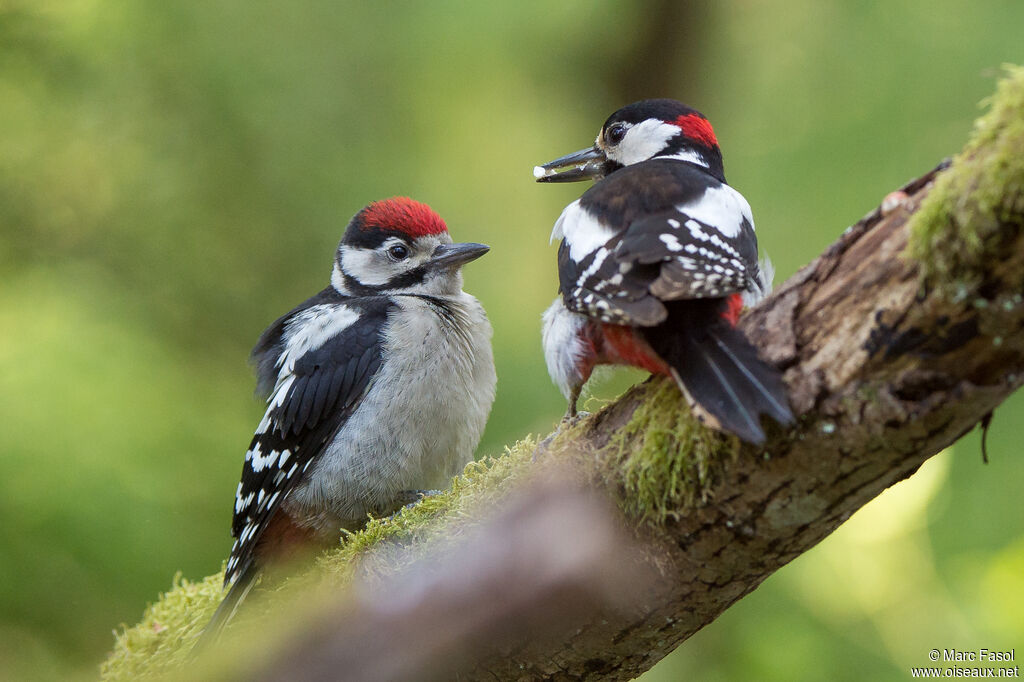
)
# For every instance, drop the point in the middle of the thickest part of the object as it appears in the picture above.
(456, 255)
(586, 164)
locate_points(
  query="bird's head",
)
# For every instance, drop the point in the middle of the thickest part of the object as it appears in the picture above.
(399, 245)
(651, 128)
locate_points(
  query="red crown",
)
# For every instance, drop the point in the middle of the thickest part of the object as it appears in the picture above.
(402, 214)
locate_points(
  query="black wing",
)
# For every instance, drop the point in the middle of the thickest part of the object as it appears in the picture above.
(673, 232)
(324, 355)
(603, 288)
(696, 260)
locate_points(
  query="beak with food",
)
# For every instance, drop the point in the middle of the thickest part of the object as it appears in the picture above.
(586, 164)
(456, 255)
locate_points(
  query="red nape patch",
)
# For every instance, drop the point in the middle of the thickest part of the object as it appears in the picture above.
(402, 214)
(734, 306)
(698, 128)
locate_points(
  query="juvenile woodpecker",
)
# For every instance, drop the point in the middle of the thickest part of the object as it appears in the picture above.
(377, 387)
(656, 261)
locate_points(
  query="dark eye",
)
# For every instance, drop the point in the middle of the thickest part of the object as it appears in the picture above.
(398, 252)
(615, 133)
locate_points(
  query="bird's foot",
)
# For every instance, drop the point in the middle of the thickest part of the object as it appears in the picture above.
(568, 421)
(406, 499)
(571, 420)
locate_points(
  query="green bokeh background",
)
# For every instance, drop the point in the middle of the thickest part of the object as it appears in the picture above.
(173, 176)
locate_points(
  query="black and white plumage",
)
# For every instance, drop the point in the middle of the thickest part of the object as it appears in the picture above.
(655, 263)
(377, 386)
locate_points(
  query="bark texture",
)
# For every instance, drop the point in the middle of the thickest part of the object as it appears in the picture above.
(883, 374)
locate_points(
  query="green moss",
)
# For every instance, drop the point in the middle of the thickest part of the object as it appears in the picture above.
(664, 457)
(162, 642)
(977, 206)
(444, 515)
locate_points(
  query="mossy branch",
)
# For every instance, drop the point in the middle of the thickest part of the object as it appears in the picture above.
(895, 342)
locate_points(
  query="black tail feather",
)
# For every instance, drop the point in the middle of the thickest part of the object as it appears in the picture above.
(718, 369)
(228, 607)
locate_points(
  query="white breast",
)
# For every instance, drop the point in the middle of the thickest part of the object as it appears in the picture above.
(563, 345)
(421, 418)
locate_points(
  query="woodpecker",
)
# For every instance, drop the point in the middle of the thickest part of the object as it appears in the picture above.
(377, 387)
(656, 261)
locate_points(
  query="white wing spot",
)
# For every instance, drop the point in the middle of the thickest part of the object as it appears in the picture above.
(599, 259)
(671, 242)
(696, 230)
(260, 463)
(242, 503)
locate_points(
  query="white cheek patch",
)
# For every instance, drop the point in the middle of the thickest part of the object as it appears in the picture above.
(643, 141)
(722, 207)
(366, 266)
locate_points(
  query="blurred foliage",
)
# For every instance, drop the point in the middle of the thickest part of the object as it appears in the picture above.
(173, 176)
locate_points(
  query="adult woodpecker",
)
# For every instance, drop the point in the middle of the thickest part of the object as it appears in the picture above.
(655, 263)
(377, 387)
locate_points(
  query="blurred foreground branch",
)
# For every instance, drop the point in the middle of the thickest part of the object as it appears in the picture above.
(896, 341)
(549, 560)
